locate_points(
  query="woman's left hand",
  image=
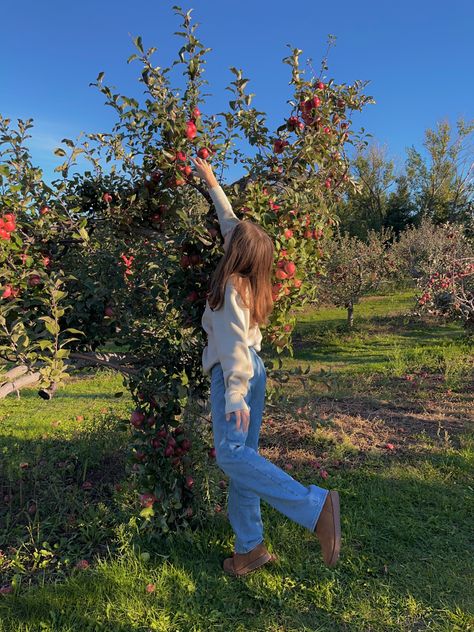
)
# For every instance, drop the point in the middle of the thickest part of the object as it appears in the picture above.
(242, 419)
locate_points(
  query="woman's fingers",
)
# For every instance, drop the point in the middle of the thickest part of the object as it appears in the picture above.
(242, 419)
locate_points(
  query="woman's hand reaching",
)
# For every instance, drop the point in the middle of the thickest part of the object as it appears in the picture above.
(204, 171)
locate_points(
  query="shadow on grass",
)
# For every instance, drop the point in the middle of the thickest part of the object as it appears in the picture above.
(405, 541)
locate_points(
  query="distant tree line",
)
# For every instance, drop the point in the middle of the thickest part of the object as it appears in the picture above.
(437, 184)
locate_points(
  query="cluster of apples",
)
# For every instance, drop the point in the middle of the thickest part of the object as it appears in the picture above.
(7, 226)
(174, 443)
(309, 107)
(188, 258)
(12, 292)
(184, 169)
(285, 271)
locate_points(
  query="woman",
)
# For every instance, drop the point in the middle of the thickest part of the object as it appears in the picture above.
(240, 299)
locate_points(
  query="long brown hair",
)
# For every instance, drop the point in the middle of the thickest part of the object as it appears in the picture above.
(249, 260)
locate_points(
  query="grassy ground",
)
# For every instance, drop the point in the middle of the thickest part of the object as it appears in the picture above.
(389, 423)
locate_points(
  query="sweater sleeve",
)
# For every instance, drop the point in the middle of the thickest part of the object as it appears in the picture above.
(227, 218)
(230, 324)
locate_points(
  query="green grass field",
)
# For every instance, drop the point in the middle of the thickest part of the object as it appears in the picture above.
(389, 418)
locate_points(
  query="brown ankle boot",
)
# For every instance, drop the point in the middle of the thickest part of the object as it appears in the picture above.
(243, 563)
(328, 529)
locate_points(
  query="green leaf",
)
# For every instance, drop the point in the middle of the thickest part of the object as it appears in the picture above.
(138, 43)
(45, 344)
(59, 152)
(147, 513)
(84, 234)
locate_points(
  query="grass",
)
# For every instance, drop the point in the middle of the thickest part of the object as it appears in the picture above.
(390, 422)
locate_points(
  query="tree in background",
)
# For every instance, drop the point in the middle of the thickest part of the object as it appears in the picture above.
(439, 260)
(419, 246)
(355, 268)
(366, 207)
(442, 184)
(400, 210)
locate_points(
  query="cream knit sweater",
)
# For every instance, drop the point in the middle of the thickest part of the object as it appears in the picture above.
(228, 331)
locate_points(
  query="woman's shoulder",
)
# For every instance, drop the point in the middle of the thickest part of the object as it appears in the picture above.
(237, 285)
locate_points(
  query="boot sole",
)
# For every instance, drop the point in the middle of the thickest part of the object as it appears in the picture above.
(336, 513)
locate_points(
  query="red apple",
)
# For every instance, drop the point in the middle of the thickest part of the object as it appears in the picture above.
(33, 280)
(297, 282)
(320, 85)
(191, 130)
(290, 268)
(288, 233)
(169, 450)
(212, 453)
(82, 565)
(180, 155)
(147, 500)
(44, 210)
(189, 482)
(185, 262)
(186, 445)
(203, 153)
(281, 274)
(192, 296)
(107, 198)
(327, 184)
(109, 311)
(137, 418)
(7, 292)
(196, 113)
(279, 145)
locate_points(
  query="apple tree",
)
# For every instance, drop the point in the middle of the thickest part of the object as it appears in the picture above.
(122, 253)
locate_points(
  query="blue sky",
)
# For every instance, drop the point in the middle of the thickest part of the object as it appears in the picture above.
(418, 56)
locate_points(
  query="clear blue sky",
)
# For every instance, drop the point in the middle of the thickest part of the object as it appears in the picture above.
(417, 54)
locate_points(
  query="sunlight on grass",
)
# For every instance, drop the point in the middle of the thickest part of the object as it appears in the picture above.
(406, 514)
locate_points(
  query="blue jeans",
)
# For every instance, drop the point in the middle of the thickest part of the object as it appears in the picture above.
(253, 477)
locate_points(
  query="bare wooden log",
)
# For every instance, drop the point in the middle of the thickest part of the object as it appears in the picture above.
(112, 360)
(19, 378)
(13, 373)
(22, 382)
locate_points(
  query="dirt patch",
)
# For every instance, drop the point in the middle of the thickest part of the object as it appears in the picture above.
(344, 432)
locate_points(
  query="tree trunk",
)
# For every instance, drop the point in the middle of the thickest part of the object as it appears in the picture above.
(350, 315)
